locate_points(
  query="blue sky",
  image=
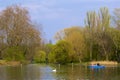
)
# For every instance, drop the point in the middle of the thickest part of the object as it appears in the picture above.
(55, 15)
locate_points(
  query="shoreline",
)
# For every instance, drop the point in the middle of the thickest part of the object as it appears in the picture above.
(9, 63)
(17, 63)
(106, 63)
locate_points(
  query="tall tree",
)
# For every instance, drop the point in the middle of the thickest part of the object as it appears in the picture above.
(74, 35)
(98, 27)
(115, 33)
(116, 18)
(90, 23)
(103, 36)
(17, 29)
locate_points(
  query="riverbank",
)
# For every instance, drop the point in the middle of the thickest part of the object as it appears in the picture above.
(9, 63)
(112, 63)
(17, 63)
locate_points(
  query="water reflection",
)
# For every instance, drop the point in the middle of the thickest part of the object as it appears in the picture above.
(47, 73)
(29, 72)
(3, 73)
(64, 72)
(72, 73)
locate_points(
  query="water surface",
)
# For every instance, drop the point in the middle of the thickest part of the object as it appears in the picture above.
(63, 72)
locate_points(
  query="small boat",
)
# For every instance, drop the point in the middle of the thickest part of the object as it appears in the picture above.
(97, 66)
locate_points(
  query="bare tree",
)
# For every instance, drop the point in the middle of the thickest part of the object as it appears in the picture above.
(16, 29)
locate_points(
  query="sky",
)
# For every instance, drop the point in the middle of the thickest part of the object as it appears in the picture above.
(55, 15)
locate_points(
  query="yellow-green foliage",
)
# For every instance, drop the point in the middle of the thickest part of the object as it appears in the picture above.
(40, 57)
(51, 57)
(60, 52)
(13, 54)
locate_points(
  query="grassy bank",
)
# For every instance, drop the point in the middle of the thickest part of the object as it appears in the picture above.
(12, 63)
(104, 62)
(16, 63)
(9, 63)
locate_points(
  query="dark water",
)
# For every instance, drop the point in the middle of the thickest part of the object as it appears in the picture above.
(68, 72)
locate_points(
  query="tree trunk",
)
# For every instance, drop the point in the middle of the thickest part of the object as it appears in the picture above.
(106, 55)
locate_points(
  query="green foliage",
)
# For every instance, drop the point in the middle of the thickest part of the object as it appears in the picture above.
(60, 52)
(96, 41)
(40, 57)
(115, 35)
(48, 48)
(51, 57)
(13, 54)
(74, 36)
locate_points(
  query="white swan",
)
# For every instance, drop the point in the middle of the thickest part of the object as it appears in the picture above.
(54, 70)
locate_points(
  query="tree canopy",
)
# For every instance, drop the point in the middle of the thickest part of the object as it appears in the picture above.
(99, 39)
(17, 31)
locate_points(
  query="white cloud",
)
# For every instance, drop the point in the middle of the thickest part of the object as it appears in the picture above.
(47, 9)
(54, 9)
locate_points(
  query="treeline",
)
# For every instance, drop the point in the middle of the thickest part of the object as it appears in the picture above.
(19, 37)
(99, 39)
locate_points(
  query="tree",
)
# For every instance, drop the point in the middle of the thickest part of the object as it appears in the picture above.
(90, 24)
(116, 18)
(16, 29)
(98, 29)
(60, 52)
(40, 57)
(115, 36)
(14, 54)
(74, 36)
(103, 36)
(115, 33)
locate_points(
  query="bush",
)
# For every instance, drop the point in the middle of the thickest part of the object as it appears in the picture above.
(13, 54)
(60, 53)
(40, 57)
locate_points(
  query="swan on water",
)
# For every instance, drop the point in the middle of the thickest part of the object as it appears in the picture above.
(54, 70)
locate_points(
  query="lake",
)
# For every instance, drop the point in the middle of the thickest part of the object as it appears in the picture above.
(63, 72)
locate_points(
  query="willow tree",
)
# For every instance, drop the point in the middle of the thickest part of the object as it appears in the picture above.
(74, 35)
(17, 29)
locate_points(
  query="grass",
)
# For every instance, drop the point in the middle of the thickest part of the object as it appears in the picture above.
(9, 63)
(106, 63)
(16, 63)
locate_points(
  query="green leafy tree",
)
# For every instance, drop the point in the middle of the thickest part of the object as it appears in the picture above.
(40, 57)
(60, 52)
(14, 54)
(75, 37)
